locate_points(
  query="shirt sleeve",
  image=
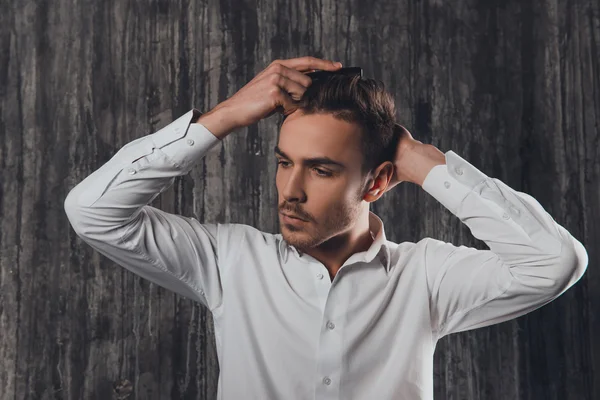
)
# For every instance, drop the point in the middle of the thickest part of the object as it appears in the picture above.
(109, 210)
(532, 259)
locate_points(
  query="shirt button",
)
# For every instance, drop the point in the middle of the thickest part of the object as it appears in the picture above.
(190, 142)
(326, 380)
(131, 171)
(459, 170)
(447, 184)
(505, 216)
(320, 276)
(330, 325)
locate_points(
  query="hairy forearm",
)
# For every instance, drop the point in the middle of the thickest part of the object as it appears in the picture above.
(219, 121)
(420, 160)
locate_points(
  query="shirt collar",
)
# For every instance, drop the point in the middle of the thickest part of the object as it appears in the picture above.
(379, 248)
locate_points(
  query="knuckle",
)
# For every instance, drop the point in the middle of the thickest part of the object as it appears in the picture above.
(276, 67)
(274, 92)
(275, 79)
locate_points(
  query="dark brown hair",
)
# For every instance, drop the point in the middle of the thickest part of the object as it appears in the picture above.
(357, 100)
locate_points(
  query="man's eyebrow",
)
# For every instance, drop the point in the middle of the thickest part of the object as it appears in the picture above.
(313, 160)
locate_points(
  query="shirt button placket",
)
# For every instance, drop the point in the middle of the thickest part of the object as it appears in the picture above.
(332, 345)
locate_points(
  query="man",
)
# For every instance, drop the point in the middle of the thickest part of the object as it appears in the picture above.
(283, 330)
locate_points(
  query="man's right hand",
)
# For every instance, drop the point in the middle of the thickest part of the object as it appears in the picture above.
(276, 88)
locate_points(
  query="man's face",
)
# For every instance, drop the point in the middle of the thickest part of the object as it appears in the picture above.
(328, 197)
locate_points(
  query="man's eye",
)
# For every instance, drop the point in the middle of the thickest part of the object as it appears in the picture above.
(282, 162)
(320, 172)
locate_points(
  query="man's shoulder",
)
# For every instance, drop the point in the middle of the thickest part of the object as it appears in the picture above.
(245, 244)
(235, 233)
(413, 250)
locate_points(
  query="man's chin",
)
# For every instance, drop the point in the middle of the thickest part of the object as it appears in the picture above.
(293, 228)
(298, 239)
(293, 237)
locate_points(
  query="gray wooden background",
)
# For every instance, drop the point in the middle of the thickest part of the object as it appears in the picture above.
(512, 86)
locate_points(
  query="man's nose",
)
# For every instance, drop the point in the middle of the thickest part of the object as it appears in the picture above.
(294, 187)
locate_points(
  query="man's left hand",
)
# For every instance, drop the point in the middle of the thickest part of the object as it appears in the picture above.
(413, 159)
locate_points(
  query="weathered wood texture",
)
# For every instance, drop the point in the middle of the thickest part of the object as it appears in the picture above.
(512, 86)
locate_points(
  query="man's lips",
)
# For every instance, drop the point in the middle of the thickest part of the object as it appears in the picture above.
(292, 216)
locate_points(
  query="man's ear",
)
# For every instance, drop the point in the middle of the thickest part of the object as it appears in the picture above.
(377, 185)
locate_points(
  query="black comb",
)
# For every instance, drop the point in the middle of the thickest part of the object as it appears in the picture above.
(347, 71)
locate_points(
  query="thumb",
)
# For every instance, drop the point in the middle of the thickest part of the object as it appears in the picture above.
(287, 104)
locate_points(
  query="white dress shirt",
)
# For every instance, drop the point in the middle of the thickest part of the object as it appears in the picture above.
(283, 329)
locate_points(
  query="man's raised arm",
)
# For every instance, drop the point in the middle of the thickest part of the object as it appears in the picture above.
(532, 259)
(109, 209)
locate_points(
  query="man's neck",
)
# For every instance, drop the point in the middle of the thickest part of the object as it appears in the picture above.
(334, 253)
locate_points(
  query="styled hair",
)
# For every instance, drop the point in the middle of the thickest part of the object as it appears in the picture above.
(361, 101)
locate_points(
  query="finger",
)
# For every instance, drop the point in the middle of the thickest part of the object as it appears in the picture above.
(285, 104)
(295, 89)
(296, 76)
(307, 63)
(279, 69)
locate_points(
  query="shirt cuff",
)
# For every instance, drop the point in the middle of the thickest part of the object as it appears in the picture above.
(450, 183)
(184, 142)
